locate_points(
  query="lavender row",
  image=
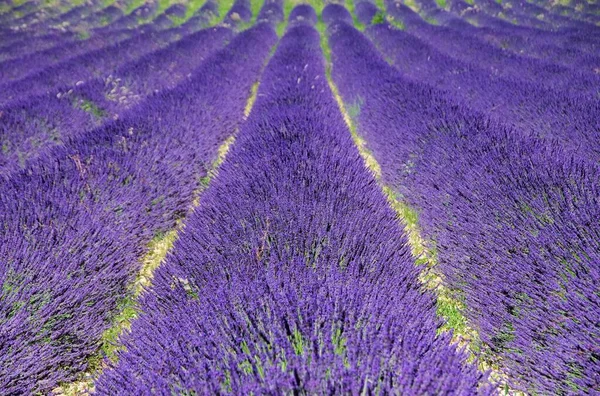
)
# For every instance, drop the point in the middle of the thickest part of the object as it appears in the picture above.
(102, 17)
(531, 42)
(556, 20)
(585, 11)
(90, 18)
(581, 37)
(303, 14)
(202, 18)
(59, 22)
(514, 221)
(66, 49)
(335, 12)
(162, 21)
(72, 16)
(32, 23)
(511, 13)
(26, 42)
(366, 11)
(19, 12)
(528, 14)
(496, 61)
(293, 275)
(566, 38)
(144, 14)
(582, 14)
(535, 43)
(205, 15)
(240, 12)
(28, 45)
(93, 64)
(543, 113)
(71, 46)
(73, 246)
(271, 12)
(131, 20)
(34, 125)
(68, 26)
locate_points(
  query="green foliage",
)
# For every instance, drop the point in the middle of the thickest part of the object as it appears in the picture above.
(224, 7)
(339, 342)
(318, 5)
(281, 29)
(504, 336)
(4, 8)
(396, 24)
(255, 6)
(192, 7)
(11, 282)
(352, 11)
(451, 311)
(89, 107)
(162, 5)
(132, 5)
(177, 20)
(83, 35)
(378, 18)
(430, 20)
(322, 29)
(5, 147)
(297, 342)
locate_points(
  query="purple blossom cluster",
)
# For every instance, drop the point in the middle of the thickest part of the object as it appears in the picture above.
(77, 220)
(513, 219)
(293, 275)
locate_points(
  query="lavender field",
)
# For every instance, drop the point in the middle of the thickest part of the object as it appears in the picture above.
(307, 197)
